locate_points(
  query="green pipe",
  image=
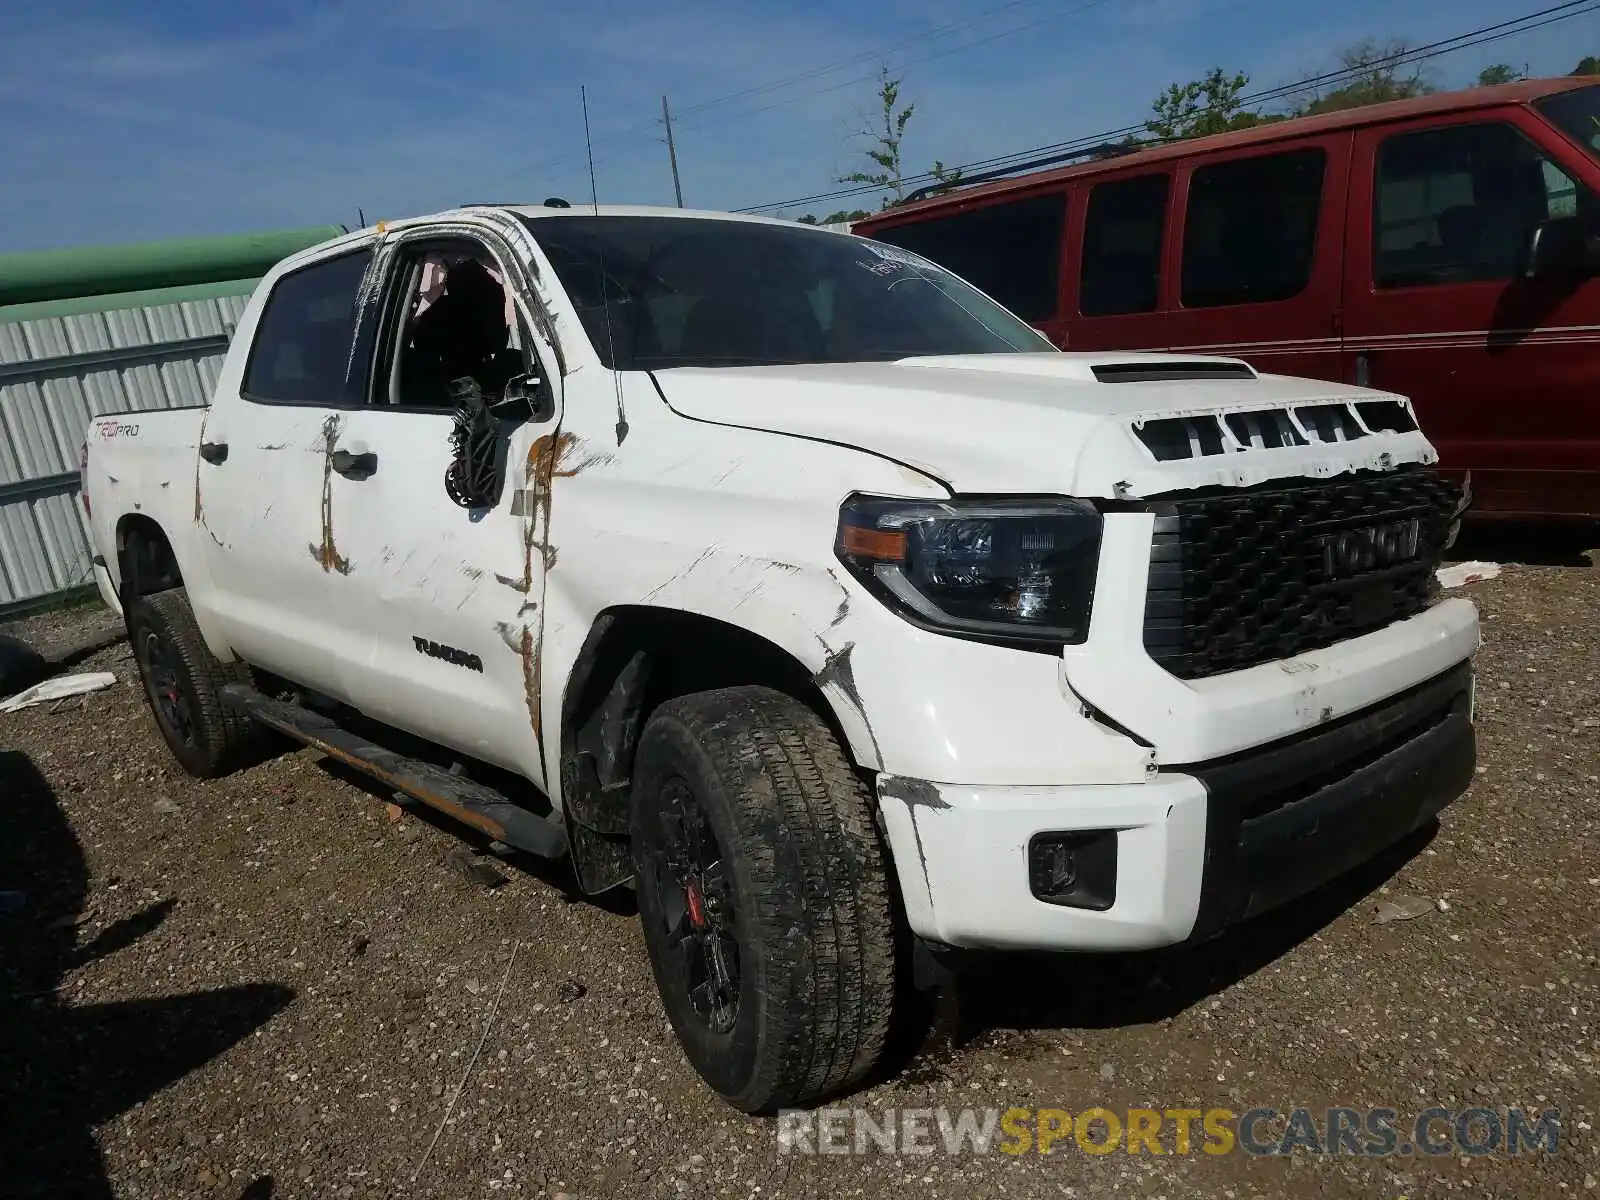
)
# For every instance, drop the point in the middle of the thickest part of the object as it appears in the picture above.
(37, 275)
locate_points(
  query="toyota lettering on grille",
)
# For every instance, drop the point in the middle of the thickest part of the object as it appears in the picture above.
(1370, 548)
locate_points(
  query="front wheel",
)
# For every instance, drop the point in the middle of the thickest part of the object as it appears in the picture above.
(764, 897)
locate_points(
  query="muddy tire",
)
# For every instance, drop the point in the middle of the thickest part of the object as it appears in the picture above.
(764, 897)
(183, 681)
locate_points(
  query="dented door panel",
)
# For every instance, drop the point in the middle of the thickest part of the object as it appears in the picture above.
(445, 600)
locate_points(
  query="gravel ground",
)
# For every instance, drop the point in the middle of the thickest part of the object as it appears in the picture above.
(269, 986)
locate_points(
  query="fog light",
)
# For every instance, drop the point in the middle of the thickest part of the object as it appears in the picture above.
(1078, 870)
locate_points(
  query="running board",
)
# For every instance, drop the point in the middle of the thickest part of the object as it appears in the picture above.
(474, 804)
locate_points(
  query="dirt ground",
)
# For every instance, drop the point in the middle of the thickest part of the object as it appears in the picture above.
(268, 987)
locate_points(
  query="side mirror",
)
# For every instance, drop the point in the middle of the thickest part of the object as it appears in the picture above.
(524, 399)
(1563, 248)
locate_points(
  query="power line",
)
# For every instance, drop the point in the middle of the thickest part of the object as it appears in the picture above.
(682, 115)
(1476, 37)
(945, 53)
(864, 56)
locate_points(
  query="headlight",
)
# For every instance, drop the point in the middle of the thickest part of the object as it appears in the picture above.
(1008, 571)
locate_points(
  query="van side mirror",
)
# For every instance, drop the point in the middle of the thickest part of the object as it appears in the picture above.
(1564, 248)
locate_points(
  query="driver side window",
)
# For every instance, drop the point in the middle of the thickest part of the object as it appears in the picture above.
(456, 322)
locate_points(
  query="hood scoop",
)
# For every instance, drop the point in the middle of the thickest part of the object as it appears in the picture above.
(1202, 371)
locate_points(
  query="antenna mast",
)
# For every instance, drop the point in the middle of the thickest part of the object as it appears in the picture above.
(605, 290)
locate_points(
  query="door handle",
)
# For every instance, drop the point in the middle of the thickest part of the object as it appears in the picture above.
(355, 466)
(214, 452)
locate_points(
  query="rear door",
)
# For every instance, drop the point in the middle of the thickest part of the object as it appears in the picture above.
(1260, 256)
(1437, 307)
(265, 507)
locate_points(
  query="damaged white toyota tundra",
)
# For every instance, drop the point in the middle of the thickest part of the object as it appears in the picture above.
(782, 576)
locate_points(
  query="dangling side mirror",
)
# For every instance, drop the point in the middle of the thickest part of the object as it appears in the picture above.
(525, 398)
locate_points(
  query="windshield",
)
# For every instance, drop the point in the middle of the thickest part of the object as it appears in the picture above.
(1578, 113)
(681, 292)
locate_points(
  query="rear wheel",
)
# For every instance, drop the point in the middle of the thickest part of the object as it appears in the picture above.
(764, 897)
(183, 681)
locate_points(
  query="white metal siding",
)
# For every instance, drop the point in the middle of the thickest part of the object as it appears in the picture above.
(57, 373)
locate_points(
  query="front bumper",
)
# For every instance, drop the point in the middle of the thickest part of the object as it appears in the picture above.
(1199, 847)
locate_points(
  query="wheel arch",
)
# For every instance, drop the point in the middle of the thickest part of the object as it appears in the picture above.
(633, 659)
(146, 559)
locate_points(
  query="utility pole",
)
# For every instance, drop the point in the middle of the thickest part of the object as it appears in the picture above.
(672, 151)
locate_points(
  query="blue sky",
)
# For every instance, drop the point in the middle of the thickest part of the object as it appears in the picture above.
(184, 117)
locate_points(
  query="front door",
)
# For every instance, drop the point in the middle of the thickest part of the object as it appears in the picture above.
(451, 584)
(265, 518)
(1438, 308)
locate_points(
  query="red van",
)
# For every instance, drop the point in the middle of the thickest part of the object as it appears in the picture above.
(1446, 248)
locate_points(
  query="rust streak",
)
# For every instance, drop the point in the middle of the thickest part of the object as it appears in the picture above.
(327, 554)
(516, 585)
(529, 650)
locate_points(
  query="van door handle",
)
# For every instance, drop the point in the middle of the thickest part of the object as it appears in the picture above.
(355, 466)
(215, 453)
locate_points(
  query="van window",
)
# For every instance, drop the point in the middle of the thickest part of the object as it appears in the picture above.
(1459, 204)
(1250, 234)
(1011, 251)
(1122, 246)
(305, 349)
(1578, 113)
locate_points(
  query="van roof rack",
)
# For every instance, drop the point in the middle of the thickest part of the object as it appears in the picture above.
(1103, 150)
(550, 202)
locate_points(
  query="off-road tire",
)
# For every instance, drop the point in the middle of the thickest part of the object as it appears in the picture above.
(815, 931)
(218, 739)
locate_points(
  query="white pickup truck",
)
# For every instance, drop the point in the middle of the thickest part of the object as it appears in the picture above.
(783, 576)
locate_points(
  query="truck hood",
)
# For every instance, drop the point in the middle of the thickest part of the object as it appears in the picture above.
(1058, 424)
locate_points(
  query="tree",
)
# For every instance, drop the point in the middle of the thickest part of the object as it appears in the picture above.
(887, 129)
(1589, 66)
(884, 150)
(944, 178)
(1201, 107)
(1375, 75)
(1498, 73)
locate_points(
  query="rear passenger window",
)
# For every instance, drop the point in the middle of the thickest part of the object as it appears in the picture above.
(1460, 204)
(1011, 251)
(1250, 235)
(1122, 247)
(305, 351)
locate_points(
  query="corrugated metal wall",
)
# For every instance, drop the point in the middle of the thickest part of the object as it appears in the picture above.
(55, 374)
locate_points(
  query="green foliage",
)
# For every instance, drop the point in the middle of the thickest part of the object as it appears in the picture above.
(1498, 73)
(884, 149)
(1201, 107)
(1376, 79)
(1590, 65)
(887, 130)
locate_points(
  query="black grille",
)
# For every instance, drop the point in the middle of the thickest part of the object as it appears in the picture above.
(1249, 576)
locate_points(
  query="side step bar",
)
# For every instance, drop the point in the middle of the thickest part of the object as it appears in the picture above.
(474, 804)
